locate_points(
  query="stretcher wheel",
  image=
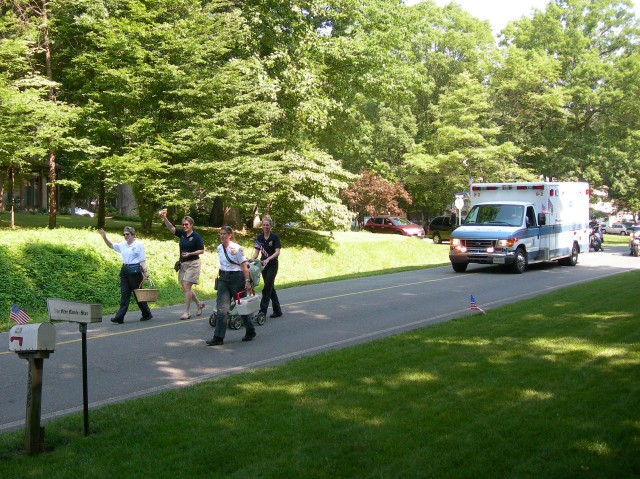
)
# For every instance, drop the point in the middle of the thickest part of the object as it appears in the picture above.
(212, 320)
(260, 318)
(235, 323)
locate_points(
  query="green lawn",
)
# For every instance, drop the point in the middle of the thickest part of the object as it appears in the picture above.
(546, 388)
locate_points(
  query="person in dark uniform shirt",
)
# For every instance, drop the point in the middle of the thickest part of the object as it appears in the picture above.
(268, 245)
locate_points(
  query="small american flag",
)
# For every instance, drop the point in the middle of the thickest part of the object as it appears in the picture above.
(549, 206)
(18, 316)
(474, 305)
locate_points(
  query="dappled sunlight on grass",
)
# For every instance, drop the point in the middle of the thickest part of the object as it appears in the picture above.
(530, 394)
(292, 389)
(570, 345)
(356, 415)
(599, 448)
(461, 342)
(416, 376)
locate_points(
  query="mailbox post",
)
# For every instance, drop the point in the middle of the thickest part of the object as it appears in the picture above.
(82, 313)
(33, 342)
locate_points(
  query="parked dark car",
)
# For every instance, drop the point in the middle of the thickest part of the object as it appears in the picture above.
(393, 225)
(440, 228)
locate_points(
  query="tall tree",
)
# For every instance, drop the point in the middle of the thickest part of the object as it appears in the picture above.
(589, 40)
(465, 145)
(26, 38)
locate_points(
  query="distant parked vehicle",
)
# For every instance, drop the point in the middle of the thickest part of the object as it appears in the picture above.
(393, 225)
(440, 228)
(615, 229)
(83, 212)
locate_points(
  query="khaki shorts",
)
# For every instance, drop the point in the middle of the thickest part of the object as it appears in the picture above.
(189, 272)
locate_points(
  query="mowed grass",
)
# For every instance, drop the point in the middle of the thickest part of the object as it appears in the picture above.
(546, 388)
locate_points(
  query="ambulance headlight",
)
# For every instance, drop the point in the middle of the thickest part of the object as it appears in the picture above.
(508, 242)
(455, 242)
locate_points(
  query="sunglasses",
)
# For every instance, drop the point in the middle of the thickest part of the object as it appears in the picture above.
(227, 229)
(186, 224)
(126, 234)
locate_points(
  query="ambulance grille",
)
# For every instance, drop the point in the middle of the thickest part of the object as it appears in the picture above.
(477, 243)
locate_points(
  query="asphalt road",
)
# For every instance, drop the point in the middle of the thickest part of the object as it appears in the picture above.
(137, 359)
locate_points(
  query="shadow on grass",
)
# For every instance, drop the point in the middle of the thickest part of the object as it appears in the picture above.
(503, 395)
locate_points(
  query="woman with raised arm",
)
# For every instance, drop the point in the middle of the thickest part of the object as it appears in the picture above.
(191, 247)
(132, 272)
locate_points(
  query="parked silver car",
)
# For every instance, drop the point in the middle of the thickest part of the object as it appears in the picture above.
(615, 229)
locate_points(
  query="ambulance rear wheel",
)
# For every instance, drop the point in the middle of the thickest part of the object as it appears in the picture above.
(519, 262)
(459, 267)
(573, 259)
(436, 238)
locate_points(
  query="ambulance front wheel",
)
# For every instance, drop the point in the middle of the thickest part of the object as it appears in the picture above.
(459, 267)
(520, 261)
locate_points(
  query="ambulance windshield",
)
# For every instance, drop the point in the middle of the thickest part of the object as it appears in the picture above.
(501, 215)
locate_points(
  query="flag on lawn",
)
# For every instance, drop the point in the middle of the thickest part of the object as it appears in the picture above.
(18, 316)
(474, 305)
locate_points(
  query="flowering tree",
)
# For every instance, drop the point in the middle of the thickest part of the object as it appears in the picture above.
(371, 194)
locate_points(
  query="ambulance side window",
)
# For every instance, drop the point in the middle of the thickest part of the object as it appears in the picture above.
(531, 217)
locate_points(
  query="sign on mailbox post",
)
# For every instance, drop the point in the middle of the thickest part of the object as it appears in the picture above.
(74, 311)
(82, 313)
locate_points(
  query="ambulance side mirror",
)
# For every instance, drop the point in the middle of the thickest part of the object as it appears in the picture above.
(542, 219)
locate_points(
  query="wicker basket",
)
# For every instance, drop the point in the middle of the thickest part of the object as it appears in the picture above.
(147, 295)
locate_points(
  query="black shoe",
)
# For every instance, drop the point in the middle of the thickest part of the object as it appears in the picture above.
(215, 341)
(249, 336)
(117, 320)
(146, 319)
(275, 315)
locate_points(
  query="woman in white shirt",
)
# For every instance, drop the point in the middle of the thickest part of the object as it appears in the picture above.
(132, 272)
(233, 278)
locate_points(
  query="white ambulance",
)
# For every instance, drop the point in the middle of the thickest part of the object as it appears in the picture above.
(516, 224)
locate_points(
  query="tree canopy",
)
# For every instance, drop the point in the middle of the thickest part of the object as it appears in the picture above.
(312, 111)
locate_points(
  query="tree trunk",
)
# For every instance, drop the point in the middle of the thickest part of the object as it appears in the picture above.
(2, 193)
(216, 217)
(53, 207)
(53, 197)
(12, 200)
(145, 211)
(231, 216)
(102, 210)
